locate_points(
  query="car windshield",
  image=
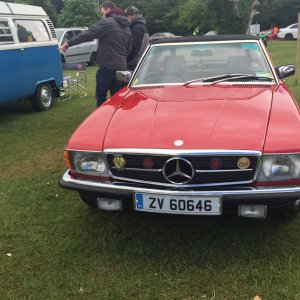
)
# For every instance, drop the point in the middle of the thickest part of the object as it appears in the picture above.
(183, 63)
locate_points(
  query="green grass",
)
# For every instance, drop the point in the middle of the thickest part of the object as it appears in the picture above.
(61, 249)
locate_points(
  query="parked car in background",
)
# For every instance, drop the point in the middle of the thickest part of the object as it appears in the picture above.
(82, 53)
(30, 65)
(206, 126)
(161, 35)
(289, 32)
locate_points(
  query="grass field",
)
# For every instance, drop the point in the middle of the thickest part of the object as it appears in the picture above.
(52, 246)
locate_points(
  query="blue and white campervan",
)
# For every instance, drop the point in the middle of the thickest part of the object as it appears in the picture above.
(30, 64)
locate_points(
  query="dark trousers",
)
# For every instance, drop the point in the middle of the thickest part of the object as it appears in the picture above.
(106, 81)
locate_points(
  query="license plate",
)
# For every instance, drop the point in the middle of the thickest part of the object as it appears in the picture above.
(174, 204)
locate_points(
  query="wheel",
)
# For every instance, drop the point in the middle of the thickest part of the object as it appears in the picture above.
(93, 59)
(288, 36)
(43, 98)
(292, 212)
(91, 201)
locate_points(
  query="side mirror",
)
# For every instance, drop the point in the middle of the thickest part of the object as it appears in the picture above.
(285, 71)
(123, 76)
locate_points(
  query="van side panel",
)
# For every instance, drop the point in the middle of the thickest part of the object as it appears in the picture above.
(21, 70)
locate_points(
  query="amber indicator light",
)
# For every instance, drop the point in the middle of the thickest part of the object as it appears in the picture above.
(67, 160)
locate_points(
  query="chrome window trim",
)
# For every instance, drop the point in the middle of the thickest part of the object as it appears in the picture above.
(259, 42)
(207, 84)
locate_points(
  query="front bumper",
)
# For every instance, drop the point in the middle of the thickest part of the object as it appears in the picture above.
(273, 197)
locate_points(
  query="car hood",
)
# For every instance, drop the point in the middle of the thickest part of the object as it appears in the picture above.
(192, 117)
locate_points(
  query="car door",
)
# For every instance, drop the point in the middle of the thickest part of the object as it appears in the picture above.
(71, 53)
(83, 49)
(78, 53)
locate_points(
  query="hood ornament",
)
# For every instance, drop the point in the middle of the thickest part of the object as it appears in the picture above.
(178, 143)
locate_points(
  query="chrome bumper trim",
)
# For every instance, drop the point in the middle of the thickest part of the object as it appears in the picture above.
(266, 192)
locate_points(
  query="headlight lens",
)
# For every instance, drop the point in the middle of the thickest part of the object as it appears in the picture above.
(88, 163)
(280, 167)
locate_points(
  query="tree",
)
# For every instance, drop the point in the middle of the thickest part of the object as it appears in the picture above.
(58, 4)
(78, 13)
(223, 16)
(47, 6)
(279, 12)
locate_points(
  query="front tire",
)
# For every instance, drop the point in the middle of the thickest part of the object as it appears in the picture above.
(43, 98)
(292, 212)
(288, 37)
(93, 59)
(89, 200)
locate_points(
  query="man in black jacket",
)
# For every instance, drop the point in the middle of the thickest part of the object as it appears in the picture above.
(114, 45)
(140, 36)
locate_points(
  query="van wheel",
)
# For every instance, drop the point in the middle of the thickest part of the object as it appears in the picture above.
(42, 100)
(93, 59)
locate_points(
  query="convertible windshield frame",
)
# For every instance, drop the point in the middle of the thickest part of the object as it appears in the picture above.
(133, 82)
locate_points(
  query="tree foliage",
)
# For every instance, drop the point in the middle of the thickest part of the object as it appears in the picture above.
(78, 13)
(223, 16)
(180, 17)
(277, 12)
(48, 7)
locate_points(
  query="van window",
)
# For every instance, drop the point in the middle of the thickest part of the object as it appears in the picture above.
(31, 31)
(5, 33)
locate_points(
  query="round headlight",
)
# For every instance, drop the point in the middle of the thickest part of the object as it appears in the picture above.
(280, 167)
(90, 163)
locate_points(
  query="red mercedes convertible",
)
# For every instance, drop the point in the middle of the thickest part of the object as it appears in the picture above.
(204, 126)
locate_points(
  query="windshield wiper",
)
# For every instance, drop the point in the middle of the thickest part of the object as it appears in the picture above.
(225, 77)
(245, 77)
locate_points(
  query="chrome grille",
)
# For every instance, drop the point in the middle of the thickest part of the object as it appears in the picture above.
(229, 173)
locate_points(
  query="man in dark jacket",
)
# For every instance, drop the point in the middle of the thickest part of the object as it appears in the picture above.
(140, 36)
(114, 45)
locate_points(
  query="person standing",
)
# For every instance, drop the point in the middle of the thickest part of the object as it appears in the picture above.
(114, 45)
(140, 36)
(275, 31)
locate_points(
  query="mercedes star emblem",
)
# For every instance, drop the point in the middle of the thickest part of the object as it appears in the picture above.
(178, 170)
